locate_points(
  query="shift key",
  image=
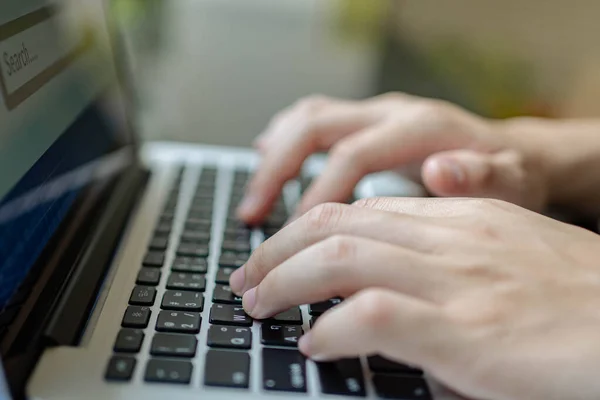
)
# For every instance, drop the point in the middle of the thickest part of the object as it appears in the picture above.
(284, 370)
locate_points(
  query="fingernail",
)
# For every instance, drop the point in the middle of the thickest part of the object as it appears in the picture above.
(237, 280)
(249, 300)
(454, 169)
(250, 203)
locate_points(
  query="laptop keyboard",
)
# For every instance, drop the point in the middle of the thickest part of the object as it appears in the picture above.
(181, 313)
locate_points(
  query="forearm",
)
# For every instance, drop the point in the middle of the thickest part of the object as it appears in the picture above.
(567, 153)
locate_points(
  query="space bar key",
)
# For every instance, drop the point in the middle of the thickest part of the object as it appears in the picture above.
(283, 370)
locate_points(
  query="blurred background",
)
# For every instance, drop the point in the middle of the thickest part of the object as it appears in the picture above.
(215, 71)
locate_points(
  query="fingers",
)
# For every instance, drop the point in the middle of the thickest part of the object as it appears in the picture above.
(417, 233)
(290, 140)
(498, 175)
(343, 265)
(349, 161)
(381, 321)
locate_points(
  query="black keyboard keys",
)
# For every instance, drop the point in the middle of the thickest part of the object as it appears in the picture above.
(223, 275)
(280, 335)
(136, 317)
(383, 365)
(232, 259)
(182, 300)
(192, 249)
(190, 236)
(223, 294)
(227, 369)
(190, 264)
(120, 368)
(173, 345)
(129, 341)
(321, 307)
(237, 246)
(168, 371)
(229, 337)
(142, 296)
(227, 314)
(186, 281)
(293, 316)
(283, 370)
(154, 259)
(178, 321)
(401, 387)
(159, 243)
(148, 276)
(342, 377)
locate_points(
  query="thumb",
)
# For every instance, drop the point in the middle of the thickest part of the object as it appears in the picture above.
(469, 173)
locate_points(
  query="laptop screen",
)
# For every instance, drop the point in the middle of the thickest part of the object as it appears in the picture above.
(62, 124)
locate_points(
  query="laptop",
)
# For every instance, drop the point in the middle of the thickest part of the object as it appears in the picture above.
(115, 256)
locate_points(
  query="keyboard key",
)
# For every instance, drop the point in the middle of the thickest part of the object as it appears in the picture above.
(223, 294)
(321, 307)
(204, 213)
(173, 345)
(168, 371)
(237, 235)
(195, 236)
(136, 317)
(201, 207)
(229, 337)
(232, 259)
(342, 377)
(227, 369)
(192, 249)
(178, 321)
(280, 335)
(159, 243)
(120, 368)
(129, 341)
(383, 365)
(163, 229)
(293, 316)
(223, 275)
(182, 300)
(401, 387)
(237, 246)
(198, 225)
(148, 276)
(154, 259)
(227, 314)
(283, 370)
(186, 281)
(142, 296)
(190, 264)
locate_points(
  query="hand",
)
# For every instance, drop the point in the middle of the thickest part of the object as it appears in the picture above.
(461, 154)
(494, 301)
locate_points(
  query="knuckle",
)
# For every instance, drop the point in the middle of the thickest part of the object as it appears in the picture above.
(337, 249)
(481, 312)
(346, 152)
(373, 202)
(391, 96)
(373, 308)
(323, 217)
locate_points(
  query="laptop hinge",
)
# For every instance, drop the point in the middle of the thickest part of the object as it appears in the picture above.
(70, 316)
